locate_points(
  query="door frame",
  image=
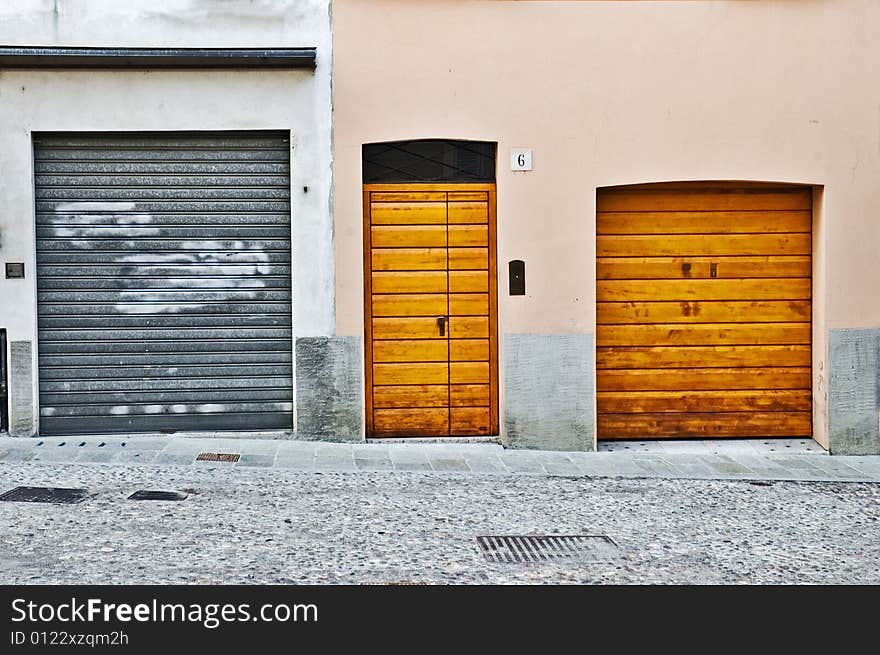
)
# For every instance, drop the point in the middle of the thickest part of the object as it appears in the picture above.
(491, 189)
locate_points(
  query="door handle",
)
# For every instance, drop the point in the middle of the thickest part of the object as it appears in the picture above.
(441, 323)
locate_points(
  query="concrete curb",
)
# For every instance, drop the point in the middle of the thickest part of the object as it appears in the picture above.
(763, 460)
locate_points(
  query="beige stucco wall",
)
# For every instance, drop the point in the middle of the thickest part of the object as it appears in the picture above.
(622, 92)
(616, 93)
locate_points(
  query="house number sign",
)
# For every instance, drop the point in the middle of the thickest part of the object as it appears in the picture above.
(520, 159)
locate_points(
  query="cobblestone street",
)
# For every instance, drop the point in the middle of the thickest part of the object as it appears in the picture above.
(274, 525)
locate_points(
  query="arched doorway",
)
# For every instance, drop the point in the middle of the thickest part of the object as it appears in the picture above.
(430, 289)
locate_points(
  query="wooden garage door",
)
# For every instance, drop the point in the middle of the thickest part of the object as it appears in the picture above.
(430, 292)
(703, 311)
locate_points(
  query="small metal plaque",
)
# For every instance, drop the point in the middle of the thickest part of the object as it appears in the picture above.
(148, 494)
(520, 159)
(14, 270)
(45, 495)
(218, 457)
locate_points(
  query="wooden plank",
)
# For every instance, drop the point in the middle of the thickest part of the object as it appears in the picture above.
(408, 213)
(409, 282)
(467, 212)
(696, 379)
(468, 327)
(468, 281)
(700, 334)
(494, 427)
(408, 196)
(427, 373)
(460, 187)
(695, 311)
(635, 268)
(469, 350)
(409, 259)
(459, 196)
(782, 288)
(661, 245)
(409, 304)
(768, 400)
(423, 422)
(406, 328)
(708, 425)
(702, 222)
(468, 235)
(408, 236)
(703, 356)
(469, 372)
(466, 421)
(468, 258)
(411, 350)
(469, 395)
(703, 200)
(411, 395)
(468, 304)
(705, 185)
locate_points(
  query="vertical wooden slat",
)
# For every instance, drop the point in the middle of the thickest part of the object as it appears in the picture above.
(448, 362)
(368, 314)
(493, 314)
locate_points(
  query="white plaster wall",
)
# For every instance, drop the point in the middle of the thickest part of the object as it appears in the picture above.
(298, 101)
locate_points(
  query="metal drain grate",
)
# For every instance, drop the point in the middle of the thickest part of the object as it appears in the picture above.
(514, 549)
(45, 495)
(148, 494)
(218, 457)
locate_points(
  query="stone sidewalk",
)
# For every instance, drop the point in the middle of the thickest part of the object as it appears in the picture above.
(757, 459)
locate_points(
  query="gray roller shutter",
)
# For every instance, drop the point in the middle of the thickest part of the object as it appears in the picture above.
(163, 282)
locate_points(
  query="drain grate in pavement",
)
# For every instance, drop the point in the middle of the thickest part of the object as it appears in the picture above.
(149, 494)
(514, 549)
(44, 495)
(218, 457)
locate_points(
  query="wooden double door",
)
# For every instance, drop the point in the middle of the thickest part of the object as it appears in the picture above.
(430, 310)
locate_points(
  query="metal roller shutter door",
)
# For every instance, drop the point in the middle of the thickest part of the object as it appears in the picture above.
(163, 282)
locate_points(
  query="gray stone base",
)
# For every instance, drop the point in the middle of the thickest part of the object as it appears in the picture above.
(21, 389)
(854, 392)
(548, 391)
(329, 388)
